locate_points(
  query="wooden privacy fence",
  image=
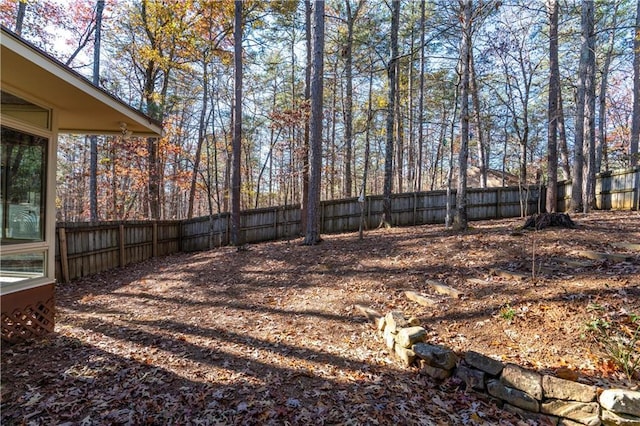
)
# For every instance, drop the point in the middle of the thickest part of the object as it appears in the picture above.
(615, 190)
(344, 215)
(87, 248)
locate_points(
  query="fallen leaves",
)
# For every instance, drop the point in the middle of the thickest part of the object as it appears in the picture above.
(273, 336)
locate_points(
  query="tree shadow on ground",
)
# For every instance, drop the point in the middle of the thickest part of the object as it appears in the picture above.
(270, 335)
(84, 383)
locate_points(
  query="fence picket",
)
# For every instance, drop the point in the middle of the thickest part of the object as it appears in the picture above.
(86, 248)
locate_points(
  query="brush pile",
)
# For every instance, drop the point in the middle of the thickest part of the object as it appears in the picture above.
(543, 220)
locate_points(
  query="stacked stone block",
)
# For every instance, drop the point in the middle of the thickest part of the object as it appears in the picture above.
(542, 398)
(620, 407)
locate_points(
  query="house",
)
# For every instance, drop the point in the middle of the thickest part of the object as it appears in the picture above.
(495, 178)
(42, 98)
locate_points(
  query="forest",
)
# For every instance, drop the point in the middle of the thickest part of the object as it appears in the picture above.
(279, 106)
(416, 95)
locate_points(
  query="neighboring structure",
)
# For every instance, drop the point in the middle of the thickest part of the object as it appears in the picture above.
(41, 98)
(495, 178)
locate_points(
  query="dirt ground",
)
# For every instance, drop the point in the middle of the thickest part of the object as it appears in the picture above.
(271, 335)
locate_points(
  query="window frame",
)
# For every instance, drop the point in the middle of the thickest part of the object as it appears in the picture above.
(41, 211)
(47, 245)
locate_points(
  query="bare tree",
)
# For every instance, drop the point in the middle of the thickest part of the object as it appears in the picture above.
(367, 153)
(562, 139)
(93, 162)
(352, 15)
(202, 126)
(237, 125)
(418, 186)
(392, 74)
(589, 176)
(315, 158)
(601, 145)
(577, 195)
(635, 121)
(22, 7)
(482, 145)
(460, 221)
(554, 88)
(307, 130)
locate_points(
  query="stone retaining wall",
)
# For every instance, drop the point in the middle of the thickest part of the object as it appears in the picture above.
(543, 398)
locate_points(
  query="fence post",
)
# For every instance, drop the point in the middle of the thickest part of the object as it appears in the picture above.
(154, 249)
(227, 228)
(179, 236)
(121, 243)
(275, 222)
(64, 257)
(637, 189)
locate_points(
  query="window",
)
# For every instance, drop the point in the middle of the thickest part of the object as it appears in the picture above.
(22, 205)
(25, 111)
(22, 266)
(23, 186)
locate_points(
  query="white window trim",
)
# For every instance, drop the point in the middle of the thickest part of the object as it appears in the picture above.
(48, 245)
(8, 288)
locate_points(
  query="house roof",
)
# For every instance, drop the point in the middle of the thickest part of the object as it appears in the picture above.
(494, 178)
(82, 107)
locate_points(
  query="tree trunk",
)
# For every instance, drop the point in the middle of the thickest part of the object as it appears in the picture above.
(333, 156)
(202, 127)
(578, 157)
(438, 153)
(221, 198)
(554, 87)
(399, 129)
(589, 177)
(93, 162)
(307, 97)
(116, 215)
(367, 151)
(448, 220)
(93, 178)
(348, 102)
(421, 96)
(273, 139)
(237, 125)
(635, 121)
(293, 145)
(154, 187)
(22, 7)
(228, 165)
(482, 149)
(411, 154)
(155, 111)
(460, 218)
(391, 72)
(209, 186)
(601, 146)
(504, 152)
(313, 203)
(562, 139)
(523, 161)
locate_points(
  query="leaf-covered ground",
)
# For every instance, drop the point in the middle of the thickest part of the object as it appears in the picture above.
(271, 335)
